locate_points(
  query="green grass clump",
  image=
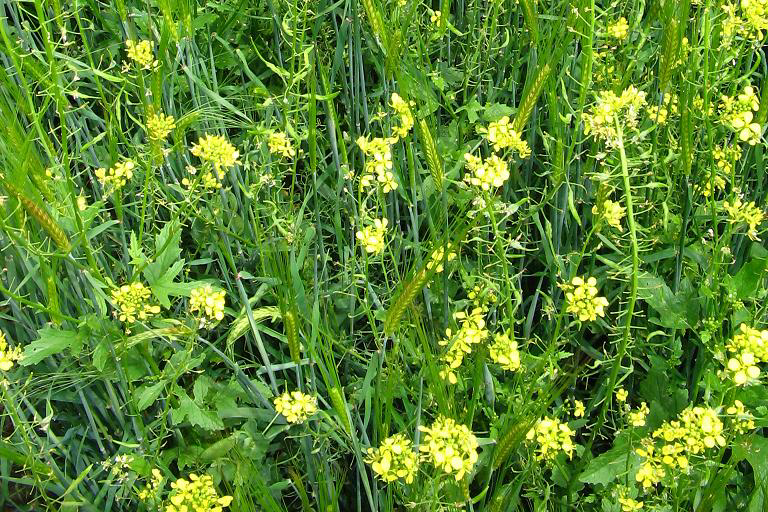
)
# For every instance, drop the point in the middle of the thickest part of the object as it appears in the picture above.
(383, 255)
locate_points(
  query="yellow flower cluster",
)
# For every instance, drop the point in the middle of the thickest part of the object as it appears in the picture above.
(742, 421)
(612, 212)
(583, 300)
(439, 256)
(379, 161)
(696, 430)
(217, 150)
(501, 135)
(159, 125)
(629, 504)
(450, 446)
(372, 237)
(394, 459)
(748, 213)
(621, 395)
(619, 30)
(132, 303)
(737, 114)
(116, 176)
(660, 114)
(207, 179)
(435, 18)
(713, 182)
(141, 53)
(295, 406)
(578, 409)
(491, 172)
(471, 332)
(747, 349)
(280, 144)
(725, 156)
(601, 121)
(149, 494)
(637, 418)
(750, 23)
(403, 110)
(503, 351)
(483, 294)
(196, 495)
(552, 437)
(209, 302)
(8, 354)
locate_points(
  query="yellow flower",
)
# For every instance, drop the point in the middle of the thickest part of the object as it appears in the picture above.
(621, 395)
(651, 471)
(747, 349)
(737, 114)
(116, 176)
(394, 459)
(742, 420)
(748, 213)
(583, 300)
(438, 256)
(501, 135)
(132, 303)
(217, 150)
(600, 121)
(471, 331)
(196, 495)
(209, 302)
(379, 161)
(450, 446)
(492, 172)
(578, 409)
(280, 144)
(435, 17)
(8, 354)
(159, 126)
(295, 406)
(403, 110)
(637, 418)
(552, 437)
(629, 504)
(141, 53)
(618, 30)
(372, 237)
(612, 212)
(503, 351)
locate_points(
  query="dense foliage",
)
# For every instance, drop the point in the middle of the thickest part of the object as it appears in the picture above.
(383, 255)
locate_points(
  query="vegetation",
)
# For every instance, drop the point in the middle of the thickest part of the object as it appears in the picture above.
(383, 255)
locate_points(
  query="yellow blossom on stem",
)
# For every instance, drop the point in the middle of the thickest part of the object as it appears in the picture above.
(8, 355)
(486, 174)
(450, 446)
(295, 406)
(551, 437)
(209, 303)
(141, 53)
(196, 494)
(132, 303)
(583, 300)
(472, 330)
(619, 30)
(216, 150)
(159, 126)
(747, 349)
(116, 176)
(394, 459)
(612, 212)
(748, 213)
(501, 135)
(503, 351)
(403, 110)
(280, 144)
(373, 237)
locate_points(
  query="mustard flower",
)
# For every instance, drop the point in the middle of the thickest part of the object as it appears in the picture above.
(503, 351)
(737, 114)
(488, 173)
(552, 437)
(216, 150)
(8, 355)
(141, 53)
(159, 126)
(210, 304)
(373, 237)
(196, 494)
(698, 429)
(629, 505)
(450, 446)
(206, 179)
(651, 471)
(379, 161)
(618, 30)
(742, 421)
(601, 120)
(132, 303)
(439, 256)
(712, 183)
(659, 114)
(403, 109)
(578, 409)
(501, 135)
(583, 300)
(725, 156)
(295, 406)
(612, 212)
(394, 459)
(747, 213)
(116, 176)
(621, 395)
(435, 17)
(150, 493)
(637, 418)
(747, 349)
(472, 330)
(280, 144)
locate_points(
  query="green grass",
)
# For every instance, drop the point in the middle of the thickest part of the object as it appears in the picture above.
(309, 309)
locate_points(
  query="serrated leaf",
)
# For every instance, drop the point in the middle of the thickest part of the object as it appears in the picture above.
(196, 416)
(605, 468)
(51, 341)
(148, 394)
(162, 287)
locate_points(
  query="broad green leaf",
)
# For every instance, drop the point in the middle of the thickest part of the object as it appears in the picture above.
(51, 341)
(196, 416)
(148, 394)
(614, 463)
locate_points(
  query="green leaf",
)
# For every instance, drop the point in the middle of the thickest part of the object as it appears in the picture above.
(757, 456)
(671, 308)
(496, 111)
(148, 394)
(52, 341)
(605, 468)
(194, 413)
(163, 287)
(746, 281)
